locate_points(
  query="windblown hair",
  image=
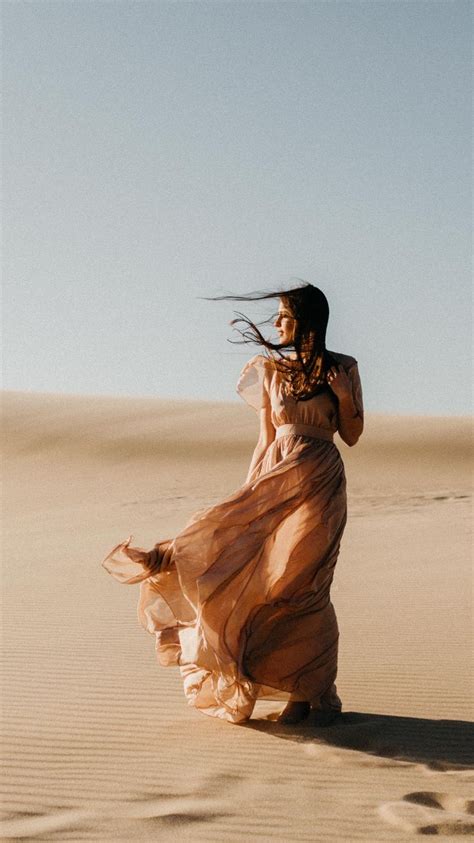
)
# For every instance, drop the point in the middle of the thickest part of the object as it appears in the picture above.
(304, 377)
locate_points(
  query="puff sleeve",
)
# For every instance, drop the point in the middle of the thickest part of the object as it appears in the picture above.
(254, 381)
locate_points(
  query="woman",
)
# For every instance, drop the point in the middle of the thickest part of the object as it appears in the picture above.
(239, 599)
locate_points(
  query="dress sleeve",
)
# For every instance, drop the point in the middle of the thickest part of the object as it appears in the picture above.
(356, 384)
(253, 383)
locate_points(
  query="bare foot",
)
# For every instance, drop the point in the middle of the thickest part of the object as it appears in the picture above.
(294, 712)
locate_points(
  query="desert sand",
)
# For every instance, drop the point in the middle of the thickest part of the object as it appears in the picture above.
(99, 743)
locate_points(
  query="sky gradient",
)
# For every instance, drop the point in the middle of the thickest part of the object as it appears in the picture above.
(156, 152)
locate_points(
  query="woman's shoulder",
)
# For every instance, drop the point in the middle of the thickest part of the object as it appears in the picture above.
(258, 361)
(254, 381)
(345, 359)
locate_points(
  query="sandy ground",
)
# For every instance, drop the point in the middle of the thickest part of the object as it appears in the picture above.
(99, 743)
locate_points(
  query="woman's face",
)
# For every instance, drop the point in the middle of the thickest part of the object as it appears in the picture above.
(285, 325)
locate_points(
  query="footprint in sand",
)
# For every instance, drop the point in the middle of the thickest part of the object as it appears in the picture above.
(429, 812)
(163, 811)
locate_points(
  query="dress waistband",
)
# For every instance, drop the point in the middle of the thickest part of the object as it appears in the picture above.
(304, 430)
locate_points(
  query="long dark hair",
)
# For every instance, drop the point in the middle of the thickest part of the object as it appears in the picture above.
(305, 377)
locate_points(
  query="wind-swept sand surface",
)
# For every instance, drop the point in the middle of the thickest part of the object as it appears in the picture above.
(99, 742)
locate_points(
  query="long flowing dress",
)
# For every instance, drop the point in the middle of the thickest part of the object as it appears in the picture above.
(242, 605)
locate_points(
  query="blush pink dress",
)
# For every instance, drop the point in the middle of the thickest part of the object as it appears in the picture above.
(242, 605)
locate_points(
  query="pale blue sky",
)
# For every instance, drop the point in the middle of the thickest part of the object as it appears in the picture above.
(155, 152)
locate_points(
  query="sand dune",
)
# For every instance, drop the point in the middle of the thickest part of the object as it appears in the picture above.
(99, 743)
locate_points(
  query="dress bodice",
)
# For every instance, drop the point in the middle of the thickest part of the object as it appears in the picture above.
(260, 385)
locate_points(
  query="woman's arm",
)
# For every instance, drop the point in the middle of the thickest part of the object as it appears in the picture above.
(265, 438)
(348, 389)
(351, 424)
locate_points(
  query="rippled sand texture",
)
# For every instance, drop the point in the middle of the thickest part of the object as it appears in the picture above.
(99, 742)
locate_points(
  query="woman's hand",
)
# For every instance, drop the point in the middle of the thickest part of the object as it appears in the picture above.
(339, 381)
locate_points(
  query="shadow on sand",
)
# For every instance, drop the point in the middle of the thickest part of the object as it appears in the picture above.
(439, 744)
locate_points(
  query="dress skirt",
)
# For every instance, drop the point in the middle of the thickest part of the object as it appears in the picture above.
(240, 600)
